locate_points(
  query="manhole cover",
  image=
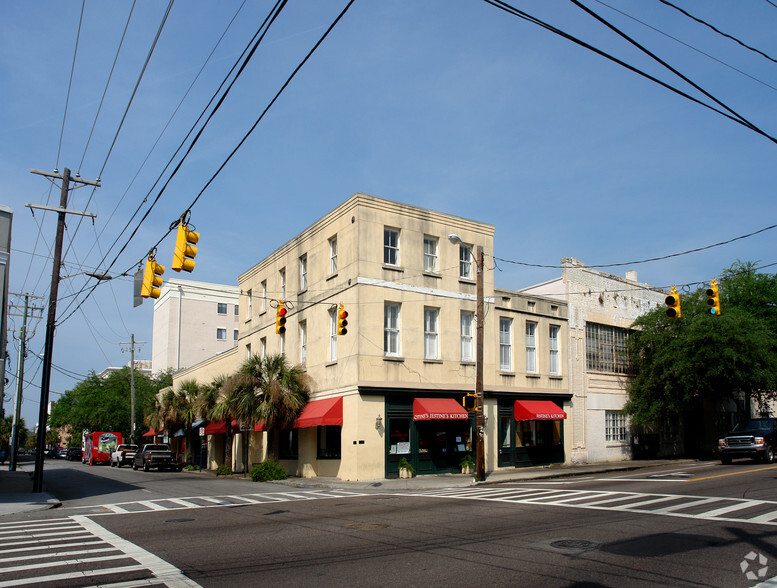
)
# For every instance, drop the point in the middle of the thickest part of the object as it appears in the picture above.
(572, 544)
(366, 526)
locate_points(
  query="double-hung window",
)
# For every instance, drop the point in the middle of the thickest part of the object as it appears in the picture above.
(303, 272)
(467, 343)
(221, 334)
(391, 329)
(555, 365)
(465, 262)
(221, 307)
(430, 254)
(332, 334)
(264, 295)
(303, 342)
(390, 246)
(431, 333)
(282, 274)
(333, 255)
(531, 348)
(250, 305)
(505, 344)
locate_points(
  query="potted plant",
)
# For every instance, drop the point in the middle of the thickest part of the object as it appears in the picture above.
(405, 469)
(467, 465)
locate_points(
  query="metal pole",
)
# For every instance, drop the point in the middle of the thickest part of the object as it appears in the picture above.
(132, 389)
(480, 459)
(37, 480)
(18, 399)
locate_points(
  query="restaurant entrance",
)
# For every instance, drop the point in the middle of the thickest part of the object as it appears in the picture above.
(531, 432)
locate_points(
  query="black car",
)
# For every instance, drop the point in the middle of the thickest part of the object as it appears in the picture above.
(74, 454)
(755, 439)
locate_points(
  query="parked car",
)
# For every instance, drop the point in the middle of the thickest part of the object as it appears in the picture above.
(62, 452)
(74, 454)
(156, 456)
(52, 453)
(755, 439)
(124, 454)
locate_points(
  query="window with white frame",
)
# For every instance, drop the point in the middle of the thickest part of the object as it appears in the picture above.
(531, 348)
(264, 295)
(505, 344)
(390, 246)
(263, 347)
(250, 305)
(248, 351)
(333, 255)
(465, 261)
(467, 342)
(615, 426)
(221, 334)
(303, 272)
(391, 329)
(555, 364)
(430, 254)
(282, 274)
(221, 307)
(332, 334)
(283, 343)
(234, 337)
(237, 310)
(431, 333)
(303, 342)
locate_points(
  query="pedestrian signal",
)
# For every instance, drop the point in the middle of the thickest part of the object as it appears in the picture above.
(470, 402)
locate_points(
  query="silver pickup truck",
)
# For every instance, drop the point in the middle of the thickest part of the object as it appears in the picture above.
(124, 454)
(156, 456)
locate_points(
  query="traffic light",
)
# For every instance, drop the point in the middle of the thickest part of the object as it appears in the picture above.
(152, 279)
(280, 318)
(470, 402)
(713, 298)
(183, 257)
(673, 304)
(342, 320)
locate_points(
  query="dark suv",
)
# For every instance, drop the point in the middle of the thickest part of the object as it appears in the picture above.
(755, 438)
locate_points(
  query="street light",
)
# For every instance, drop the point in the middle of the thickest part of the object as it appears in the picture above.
(480, 458)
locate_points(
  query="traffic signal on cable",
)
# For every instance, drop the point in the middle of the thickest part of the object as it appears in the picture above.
(152, 279)
(183, 257)
(470, 402)
(342, 320)
(713, 298)
(280, 318)
(673, 304)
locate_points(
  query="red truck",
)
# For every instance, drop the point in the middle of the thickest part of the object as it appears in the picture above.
(99, 446)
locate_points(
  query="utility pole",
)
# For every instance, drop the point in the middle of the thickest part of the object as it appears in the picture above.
(37, 480)
(20, 381)
(480, 422)
(131, 349)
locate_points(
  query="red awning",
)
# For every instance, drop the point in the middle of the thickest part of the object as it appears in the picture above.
(538, 410)
(259, 426)
(149, 433)
(220, 427)
(321, 412)
(438, 409)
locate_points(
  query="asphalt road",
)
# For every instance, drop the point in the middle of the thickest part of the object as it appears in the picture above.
(695, 525)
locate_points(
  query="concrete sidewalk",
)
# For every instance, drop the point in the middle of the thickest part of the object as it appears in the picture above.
(16, 495)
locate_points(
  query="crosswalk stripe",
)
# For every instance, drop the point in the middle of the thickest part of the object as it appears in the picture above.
(72, 575)
(31, 557)
(732, 507)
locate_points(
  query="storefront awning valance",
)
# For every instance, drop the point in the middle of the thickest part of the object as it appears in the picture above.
(317, 413)
(198, 424)
(149, 433)
(538, 410)
(180, 433)
(438, 409)
(259, 426)
(220, 427)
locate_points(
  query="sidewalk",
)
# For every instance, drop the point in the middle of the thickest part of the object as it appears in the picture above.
(16, 495)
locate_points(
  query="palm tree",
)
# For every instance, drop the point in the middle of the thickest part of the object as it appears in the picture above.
(208, 399)
(155, 419)
(181, 408)
(225, 409)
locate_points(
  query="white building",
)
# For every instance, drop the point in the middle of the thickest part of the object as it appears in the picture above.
(193, 321)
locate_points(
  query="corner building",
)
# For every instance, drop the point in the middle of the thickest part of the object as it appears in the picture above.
(392, 386)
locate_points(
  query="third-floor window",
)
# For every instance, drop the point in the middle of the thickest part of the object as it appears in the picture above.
(390, 246)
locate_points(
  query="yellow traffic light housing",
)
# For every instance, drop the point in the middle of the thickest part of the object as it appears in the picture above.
(713, 298)
(280, 318)
(342, 322)
(673, 304)
(470, 402)
(152, 279)
(185, 251)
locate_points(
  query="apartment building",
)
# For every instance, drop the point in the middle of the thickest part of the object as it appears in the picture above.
(392, 386)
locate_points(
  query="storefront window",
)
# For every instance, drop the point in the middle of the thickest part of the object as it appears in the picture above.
(399, 436)
(289, 448)
(329, 442)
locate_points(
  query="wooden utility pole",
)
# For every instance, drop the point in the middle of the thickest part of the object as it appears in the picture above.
(37, 480)
(131, 349)
(480, 421)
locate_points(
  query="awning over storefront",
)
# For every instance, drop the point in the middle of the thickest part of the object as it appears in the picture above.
(180, 433)
(538, 410)
(259, 426)
(198, 424)
(220, 427)
(149, 433)
(321, 412)
(438, 409)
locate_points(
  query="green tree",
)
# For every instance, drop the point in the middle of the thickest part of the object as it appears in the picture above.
(6, 433)
(680, 363)
(180, 409)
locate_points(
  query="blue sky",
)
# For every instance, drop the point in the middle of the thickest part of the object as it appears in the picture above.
(451, 105)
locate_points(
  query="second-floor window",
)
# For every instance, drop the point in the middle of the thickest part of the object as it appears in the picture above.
(390, 246)
(391, 329)
(333, 255)
(303, 273)
(430, 254)
(234, 337)
(250, 305)
(221, 308)
(264, 295)
(431, 333)
(221, 334)
(605, 349)
(465, 262)
(332, 334)
(505, 344)
(283, 283)
(555, 365)
(263, 347)
(531, 348)
(467, 343)
(303, 342)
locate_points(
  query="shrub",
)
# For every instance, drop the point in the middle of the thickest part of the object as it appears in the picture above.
(192, 468)
(467, 462)
(405, 465)
(224, 470)
(268, 470)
